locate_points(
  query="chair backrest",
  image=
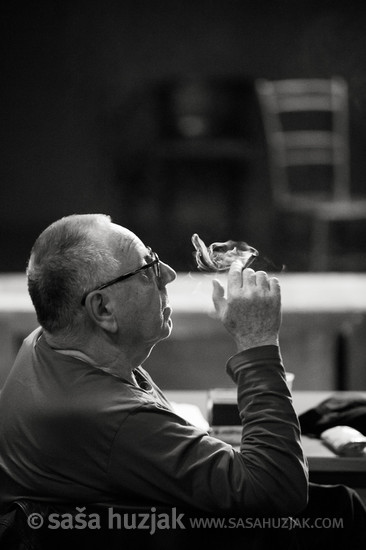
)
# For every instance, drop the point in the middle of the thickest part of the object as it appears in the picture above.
(306, 128)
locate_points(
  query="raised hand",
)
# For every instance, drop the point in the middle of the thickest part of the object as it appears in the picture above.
(251, 312)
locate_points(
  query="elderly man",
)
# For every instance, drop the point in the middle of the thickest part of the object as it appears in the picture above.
(81, 420)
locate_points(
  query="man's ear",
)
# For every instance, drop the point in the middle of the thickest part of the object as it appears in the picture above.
(100, 311)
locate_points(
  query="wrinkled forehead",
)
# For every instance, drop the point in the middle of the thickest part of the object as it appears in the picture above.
(129, 249)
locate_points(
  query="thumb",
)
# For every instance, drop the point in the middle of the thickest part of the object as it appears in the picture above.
(218, 295)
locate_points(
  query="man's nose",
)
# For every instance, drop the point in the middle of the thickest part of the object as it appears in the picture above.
(167, 273)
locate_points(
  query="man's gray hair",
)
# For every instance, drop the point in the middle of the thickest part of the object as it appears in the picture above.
(68, 259)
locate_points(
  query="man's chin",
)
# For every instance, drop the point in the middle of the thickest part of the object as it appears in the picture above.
(167, 328)
(167, 323)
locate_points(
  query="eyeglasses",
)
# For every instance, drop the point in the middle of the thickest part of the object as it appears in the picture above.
(155, 264)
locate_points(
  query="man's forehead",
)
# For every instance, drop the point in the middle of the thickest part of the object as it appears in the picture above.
(128, 242)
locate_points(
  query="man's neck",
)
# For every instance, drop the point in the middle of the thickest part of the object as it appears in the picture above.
(117, 360)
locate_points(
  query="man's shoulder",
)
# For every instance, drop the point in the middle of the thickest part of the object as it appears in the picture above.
(25, 352)
(31, 339)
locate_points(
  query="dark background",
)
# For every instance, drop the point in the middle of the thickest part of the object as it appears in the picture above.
(89, 91)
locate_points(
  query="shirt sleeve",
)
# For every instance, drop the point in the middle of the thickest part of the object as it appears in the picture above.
(158, 454)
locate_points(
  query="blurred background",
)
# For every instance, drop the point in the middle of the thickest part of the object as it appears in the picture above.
(148, 111)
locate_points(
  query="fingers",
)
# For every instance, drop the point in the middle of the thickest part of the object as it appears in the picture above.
(262, 279)
(235, 276)
(239, 277)
(274, 285)
(255, 278)
(218, 295)
(249, 276)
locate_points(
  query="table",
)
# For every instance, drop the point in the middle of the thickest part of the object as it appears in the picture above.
(324, 465)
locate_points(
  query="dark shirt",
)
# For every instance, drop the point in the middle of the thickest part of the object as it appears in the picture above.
(70, 431)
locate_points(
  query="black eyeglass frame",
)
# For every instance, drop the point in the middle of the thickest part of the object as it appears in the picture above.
(155, 262)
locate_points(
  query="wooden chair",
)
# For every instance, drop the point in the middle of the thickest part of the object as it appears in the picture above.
(306, 126)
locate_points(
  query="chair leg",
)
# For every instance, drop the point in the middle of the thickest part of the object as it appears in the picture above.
(319, 260)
